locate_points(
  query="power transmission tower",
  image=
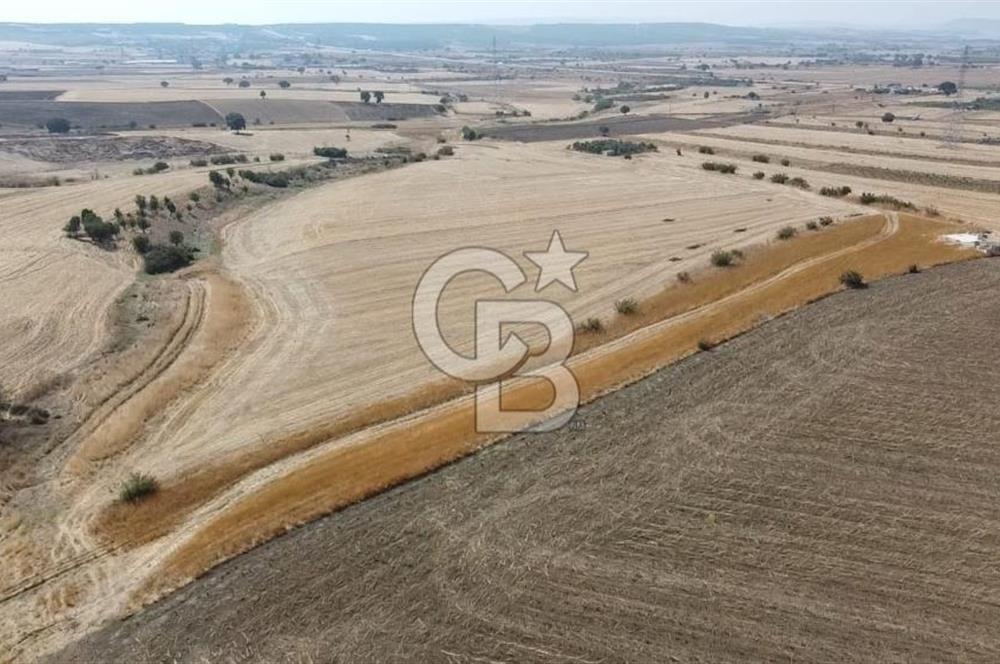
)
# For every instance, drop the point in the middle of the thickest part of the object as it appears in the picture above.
(954, 135)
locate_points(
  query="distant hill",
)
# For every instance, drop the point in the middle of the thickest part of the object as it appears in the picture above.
(388, 36)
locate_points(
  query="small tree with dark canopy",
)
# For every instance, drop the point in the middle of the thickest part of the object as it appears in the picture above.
(164, 84)
(625, 109)
(57, 125)
(176, 238)
(948, 88)
(366, 96)
(236, 121)
(379, 96)
(284, 85)
(244, 83)
(888, 117)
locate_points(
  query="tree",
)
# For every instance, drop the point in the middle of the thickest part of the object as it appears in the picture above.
(948, 88)
(366, 96)
(625, 109)
(140, 202)
(284, 85)
(263, 95)
(228, 80)
(218, 180)
(164, 84)
(888, 117)
(141, 243)
(379, 96)
(57, 125)
(176, 238)
(72, 227)
(244, 83)
(235, 121)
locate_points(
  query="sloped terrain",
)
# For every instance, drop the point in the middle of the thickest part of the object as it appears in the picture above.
(820, 489)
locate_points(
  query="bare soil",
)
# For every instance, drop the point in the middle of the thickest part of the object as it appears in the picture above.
(618, 126)
(111, 115)
(820, 489)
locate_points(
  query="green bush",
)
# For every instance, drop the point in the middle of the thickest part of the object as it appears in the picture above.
(799, 182)
(72, 227)
(162, 258)
(759, 175)
(198, 163)
(141, 244)
(705, 345)
(277, 156)
(613, 147)
(57, 125)
(723, 258)
(470, 134)
(786, 162)
(229, 159)
(330, 153)
(779, 178)
(835, 192)
(218, 180)
(868, 198)
(812, 226)
(98, 230)
(445, 151)
(592, 325)
(719, 167)
(684, 277)
(762, 158)
(825, 221)
(704, 149)
(137, 487)
(853, 279)
(786, 233)
(627, 306)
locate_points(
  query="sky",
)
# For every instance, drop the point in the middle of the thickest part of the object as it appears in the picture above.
(885, 13)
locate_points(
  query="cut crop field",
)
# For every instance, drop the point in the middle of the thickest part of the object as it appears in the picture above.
(819, 489)
(341, 338)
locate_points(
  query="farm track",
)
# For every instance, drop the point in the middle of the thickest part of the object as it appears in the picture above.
(176, 344)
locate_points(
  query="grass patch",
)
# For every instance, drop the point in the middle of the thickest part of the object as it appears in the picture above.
(137, 487)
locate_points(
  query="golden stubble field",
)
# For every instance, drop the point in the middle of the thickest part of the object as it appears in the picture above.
(306, 331)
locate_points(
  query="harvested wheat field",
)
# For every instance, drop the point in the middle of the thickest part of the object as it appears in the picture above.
(819, 489)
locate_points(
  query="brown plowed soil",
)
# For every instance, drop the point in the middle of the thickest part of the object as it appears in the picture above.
(820, 489)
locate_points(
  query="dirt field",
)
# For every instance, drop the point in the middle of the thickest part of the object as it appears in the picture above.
(741, 505)
(111, 115)
(619, 125)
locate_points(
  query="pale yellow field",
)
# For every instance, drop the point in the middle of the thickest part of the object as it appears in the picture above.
(309, 299)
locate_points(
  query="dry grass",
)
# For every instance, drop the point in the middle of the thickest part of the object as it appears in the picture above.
(347, 474)
(133, 525)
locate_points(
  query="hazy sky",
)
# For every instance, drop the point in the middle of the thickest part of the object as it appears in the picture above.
(902, 13)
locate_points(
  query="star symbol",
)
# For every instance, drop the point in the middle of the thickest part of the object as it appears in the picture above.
(556, 263)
